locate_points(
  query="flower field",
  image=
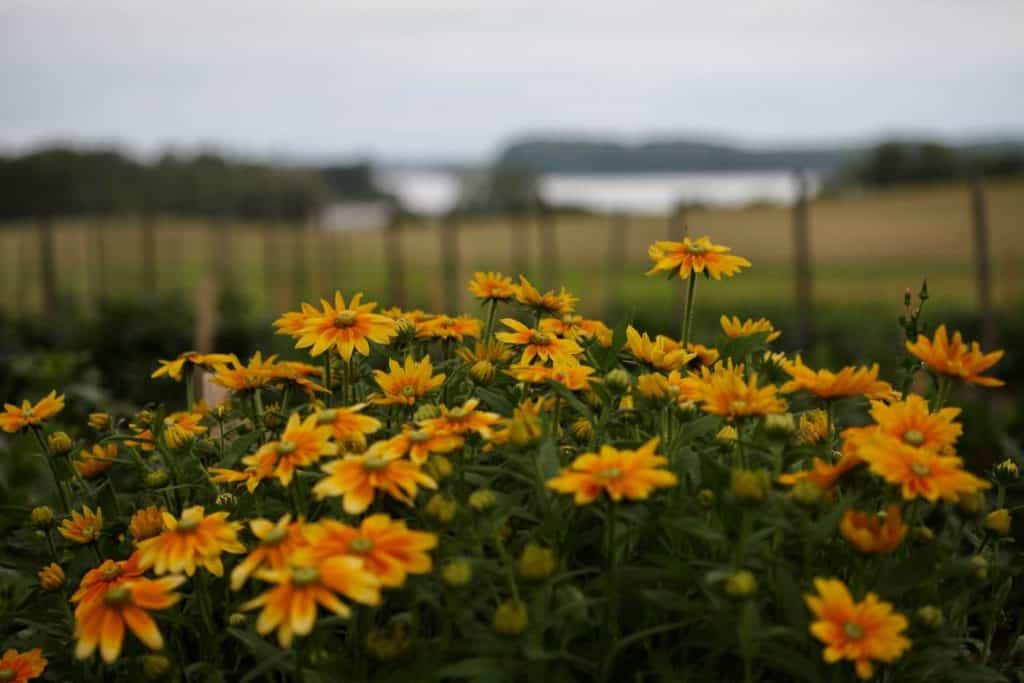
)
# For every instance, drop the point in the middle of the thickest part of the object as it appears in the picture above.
(525, 495)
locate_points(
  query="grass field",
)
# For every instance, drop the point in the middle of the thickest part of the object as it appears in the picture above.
(865, 250)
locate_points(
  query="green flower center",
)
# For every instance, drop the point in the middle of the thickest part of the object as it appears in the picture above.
(326, 417)
(853, 631)
(920, 470)
(274, 536)
(345, 319)
(419, 436)
(913, 437)
(188, 524)
(361, 545)
(305, 576)
(457, 413)
(696, 250)
(117, 596)
(608, 473)
(738, 406)
(375, 463)
(286, 447)
(7, 674)
(110, 573)
(540, 338)
(88, 530)
(408, 391)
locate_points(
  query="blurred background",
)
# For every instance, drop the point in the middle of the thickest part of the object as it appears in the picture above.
(176, 175)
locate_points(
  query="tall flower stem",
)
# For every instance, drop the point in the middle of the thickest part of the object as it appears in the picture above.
(691, 288)
(53, 470)
(493, 308)
(327, 379)
(612, 605)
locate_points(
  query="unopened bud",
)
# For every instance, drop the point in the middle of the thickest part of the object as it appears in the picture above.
(742, 584)
(582, 429)
(155, 667)
(749, 486)
(427, 411)
(441, 508)
(971, 503)
(438, 467)
(727, 435)
(157, 479)
(510, 618)
(59, 443)
(706, 498)
(51, 577)
(537, 562)
(617, 380)
(806, 492)
(42, 517)
(482, 500)
(931, 617)
(780, 427)
(998, 522)
(457, 573)
(482, 372)
(99, 421)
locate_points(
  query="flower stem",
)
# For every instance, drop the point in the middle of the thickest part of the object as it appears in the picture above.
(327, 379)
(490, 318)
(691, 288)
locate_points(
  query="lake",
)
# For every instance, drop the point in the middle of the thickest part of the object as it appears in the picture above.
(434, 192)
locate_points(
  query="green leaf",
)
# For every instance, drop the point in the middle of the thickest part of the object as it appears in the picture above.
(495, 401)
(238, 448)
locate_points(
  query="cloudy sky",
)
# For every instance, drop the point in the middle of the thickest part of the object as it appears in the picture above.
(454, 79)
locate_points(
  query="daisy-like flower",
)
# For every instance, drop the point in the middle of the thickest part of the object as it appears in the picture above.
(181, 427)
(463, 419)
(578, 329)
(195, 539)
(574, 376)
(954, 359)
(290, 606)
(146, 523)
(277, 542)
(292, 323)
(492, 351)
(673, 386)
(871, 534)
(238, 376)
(349, 425)
(110, 573)
(705, 355)
(357, 478)
(447, 327)
(175, 369)
(111, 606)
(849, 381)
(909, 421)
(548, 303)
(824, 474)
(406, 384)
(861, 632)
(735, 329)
(297, 373)
(538, 344)
(919, 473)
(699, 256)
(302, 443)
(630, 474)
(662, 354)
(725, 392)
(389, 550)
(491, 286)
(83, 527)
(15, 418)
(91, 464)
(419, 444)
(51, 578)
(814, 427)
(347, 328)
(20, 667)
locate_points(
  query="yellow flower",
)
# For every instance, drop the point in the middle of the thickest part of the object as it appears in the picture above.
(181, 427)
(919, 472)
(83, 527)
(194, 539)
(492, 351)
(874, 533)
(861, 632)
(725, 392)
(537, 562)
(705, 355)
(389, 550)
(357, 478)
(15, 418)
(348, 424)
(346, 328)
(21, 667)
(549, 303)
(699, 256)
(491, 286)
(734, 329)
(447, 327)
(537, 344)
(630, 474)
(91, 465)
(825, 475)
(998, 522)
(663, 354)
(911, 422)
(146, 523)
(99, 421)
(237, 376)
(51, 577)
(814, 427)
(302, 443)
(277, 542)
(406, 384)
(572, 375)
(462, 420)
(511, 618)
(419, 444)
(578, 328)
(290, 606)
(953, 358)
(175, 369)
(849, 381)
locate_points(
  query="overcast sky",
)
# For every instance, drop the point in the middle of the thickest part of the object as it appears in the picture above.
(449, 79)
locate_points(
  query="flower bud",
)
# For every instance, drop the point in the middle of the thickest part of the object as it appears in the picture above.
(155, 667)
(143, 419)
(482, 372)
(814, 427)
(617, 380)
(175, 437)
(727, 435)
(779, 427)
(438, 467)
(510, 618)
(226, 500)
(524, 431)
(42, 517)
(706, 498)
(457, 573)
(146, 523)
(389, 643)
(971, 503)
(441, 508)
(51, 577)
(482, 500)
(980, 567)
(59, 443)
(931, 617)
(238, 619)
(807, 493)
(99, 421)
(998, 522)
(157, 479)
(923, 533)
(1007, 471)
(749, 486)
(536, 563)
(742, 584)
(427, 411)
(272, 417)
(582, 429)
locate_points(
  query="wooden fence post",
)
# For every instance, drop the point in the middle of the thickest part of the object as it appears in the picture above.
(548, 244)
(449, 230)
(982, 263)
(47, 267)
(149, 267)
(394, 259)
(802, 254)
(618, 244)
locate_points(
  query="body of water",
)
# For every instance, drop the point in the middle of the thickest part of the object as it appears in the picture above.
(434, 192)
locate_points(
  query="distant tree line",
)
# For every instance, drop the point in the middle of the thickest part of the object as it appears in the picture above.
(901, 163)
(63, 181)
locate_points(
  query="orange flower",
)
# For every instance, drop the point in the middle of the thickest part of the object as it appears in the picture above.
(874, 533)
(358, 477)
(194, 539)
(734, 329)
(491, 350)
(861, 632)
(725, 392)
(175, 369)
(348, 425)
(346, 328)
(674, 386)
(919, 472)
(109, 574)
(91, 465)
(290, 606)
(548, 302)
(389, 550)
(101, 619)
(953, 358)
(462, 420)
(849, 381)
(538, 344)
(574, 376)
(630, 474)
(705, 355)
(406, 385)
(578, 329)
(491, 286)
(259, 467)
(20, 667)
(700, 256)
(662, 354)
(51, 578)
(277, 541)
(146, 523)
(298, 374)
(84, 527)
(447, 327)
(237, 376)
(419, 444)
(824, 474)
(302, 443)
(15, 418)
(909, 421)
(182, 426)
